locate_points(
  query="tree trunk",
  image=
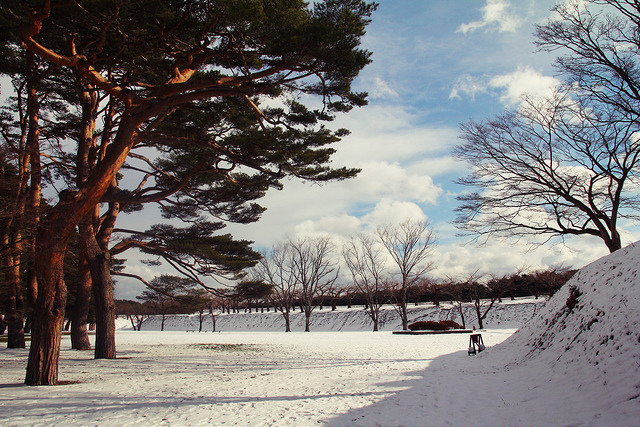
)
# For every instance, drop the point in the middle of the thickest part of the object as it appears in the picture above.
(213, 322)
(51, 243)
(48, 315)
(79, 333)
(100, 264)
(405, 320)
(287, 320)
(14, 305)
(464, 325)
(480, 325)
(307, 319)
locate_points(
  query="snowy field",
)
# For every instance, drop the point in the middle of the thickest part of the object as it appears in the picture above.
(575, 363)
(243, 378)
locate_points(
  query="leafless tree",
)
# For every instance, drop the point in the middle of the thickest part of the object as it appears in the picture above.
(482, 297)
(364, 258)
(557, 166)
(409, 244)
(571, 171)
(276, 268)
(599, 47)
(314, 269)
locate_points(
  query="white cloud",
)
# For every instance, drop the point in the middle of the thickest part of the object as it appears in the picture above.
(511, 86)
(523, 81)
(500, 257)
(381, 179)
(389, 211)
(381, 89)
(390, 133)
(496, 15)
(468, 86)
(342, 225)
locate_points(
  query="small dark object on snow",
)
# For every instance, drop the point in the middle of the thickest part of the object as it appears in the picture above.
(430, 325)
(475, 344)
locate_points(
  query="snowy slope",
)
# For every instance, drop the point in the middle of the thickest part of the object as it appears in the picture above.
(576, 363)
(510, 314)
(588, 336)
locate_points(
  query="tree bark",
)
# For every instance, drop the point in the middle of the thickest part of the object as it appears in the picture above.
(287, 319)
(307, 320)
(405, 319)
(14, 306)
(48, 317)
(100, 264)
(79, 332)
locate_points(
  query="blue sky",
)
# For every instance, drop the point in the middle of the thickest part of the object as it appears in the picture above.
(436, 64)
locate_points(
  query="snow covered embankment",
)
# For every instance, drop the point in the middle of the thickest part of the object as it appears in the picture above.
(588, 336)
(510, 314)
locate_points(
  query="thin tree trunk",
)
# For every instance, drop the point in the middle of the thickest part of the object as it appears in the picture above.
(405, 320)
(14, 306)
(105, 306)
(307, 319)
(79, 333)
(287, 319)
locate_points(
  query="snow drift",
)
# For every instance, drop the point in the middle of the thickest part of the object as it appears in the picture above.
(577, 362)
(587, 337)
(593, 321)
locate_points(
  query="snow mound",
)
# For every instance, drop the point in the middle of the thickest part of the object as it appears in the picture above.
(588, 333)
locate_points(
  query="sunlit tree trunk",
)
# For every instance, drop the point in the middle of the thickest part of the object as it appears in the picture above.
(48, 316)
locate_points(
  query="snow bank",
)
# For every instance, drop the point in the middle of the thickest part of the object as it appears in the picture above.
(510, 314)
(587, 335)
(576, 363)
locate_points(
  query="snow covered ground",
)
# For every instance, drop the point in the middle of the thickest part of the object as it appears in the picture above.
(576, 363)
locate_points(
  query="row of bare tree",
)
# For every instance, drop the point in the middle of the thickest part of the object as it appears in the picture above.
(305, 272)
(482, 293)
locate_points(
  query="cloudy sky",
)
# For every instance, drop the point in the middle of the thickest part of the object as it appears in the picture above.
(436, 64)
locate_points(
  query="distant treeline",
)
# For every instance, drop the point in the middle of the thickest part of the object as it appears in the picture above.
(536, 284)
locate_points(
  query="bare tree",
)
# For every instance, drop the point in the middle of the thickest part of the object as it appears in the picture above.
(333, 293)
(365, 261)
(555, 167)
(599, 47)
(276, 268)
(134, 311)
(314, 270)
(409, 244)
(483, 299)
(568, 172)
